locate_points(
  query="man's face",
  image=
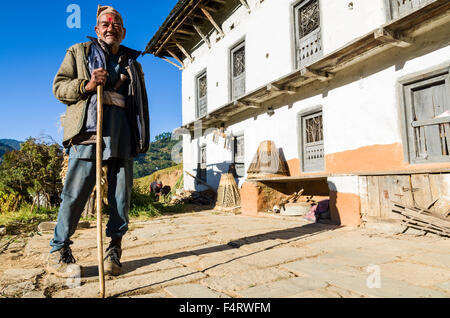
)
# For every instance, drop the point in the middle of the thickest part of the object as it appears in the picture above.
(110, 30)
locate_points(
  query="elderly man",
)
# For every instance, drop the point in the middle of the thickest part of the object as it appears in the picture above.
(101, 61)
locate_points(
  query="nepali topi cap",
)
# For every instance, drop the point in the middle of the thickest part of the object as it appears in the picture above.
(101, 10)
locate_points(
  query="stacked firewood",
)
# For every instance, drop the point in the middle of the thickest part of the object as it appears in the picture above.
(206, 197)
(422, 219)
(290, 199)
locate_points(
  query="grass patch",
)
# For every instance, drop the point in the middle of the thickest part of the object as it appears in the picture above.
(143, 205)
(144, 182)
(26, 221)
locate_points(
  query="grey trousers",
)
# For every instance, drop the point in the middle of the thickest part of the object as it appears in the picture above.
(80, 180)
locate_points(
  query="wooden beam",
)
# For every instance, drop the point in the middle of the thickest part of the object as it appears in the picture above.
(276, 88)
(174, 64)
(321, 76)
(184, 31)
(182, 49)
(195, 6)
(385, 36)
(209, 9)
(202, 35)
(210, 18)
(245, 4)
(181, 37)
(247, 105)
(219, 1)
(198, 16)
(175, 57)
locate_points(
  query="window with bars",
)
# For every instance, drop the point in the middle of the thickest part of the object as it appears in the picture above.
(201, 169)
(427, 113)
(202, 95)
(239, 155)
(238, 71)
(307, 32)
(312, 141)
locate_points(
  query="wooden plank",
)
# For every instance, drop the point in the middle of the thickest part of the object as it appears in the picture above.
(433, 121)
(373, 196)
(440, 190)
(405, 197)
(391, 188)
(364, 197)
(184, 31)
(278, 88)
(174, 64)
(202, 35)
(385, 199)
(182, 49)
(428, 219)
(210, 18)
(421, 190)
(425, 101)
(383, 35)
(310, 73)
(445, 139)
(247, 105)
(245, 4)
(175, 57)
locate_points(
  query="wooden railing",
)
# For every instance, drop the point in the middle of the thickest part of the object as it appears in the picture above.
(309, 48)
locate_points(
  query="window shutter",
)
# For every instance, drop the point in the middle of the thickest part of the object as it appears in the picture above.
(202, 95)
(238, 71)
(308, 32)
(313, 150)
(428, 119)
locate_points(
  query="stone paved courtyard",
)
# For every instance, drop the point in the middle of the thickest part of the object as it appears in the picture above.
(218, 255)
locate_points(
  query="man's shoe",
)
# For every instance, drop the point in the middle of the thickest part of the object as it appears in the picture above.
(112, 265)
(61, 263)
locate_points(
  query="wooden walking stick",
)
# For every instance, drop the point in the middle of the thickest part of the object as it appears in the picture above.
(98, 185)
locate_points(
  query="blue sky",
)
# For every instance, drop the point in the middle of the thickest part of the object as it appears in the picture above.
(33, 44)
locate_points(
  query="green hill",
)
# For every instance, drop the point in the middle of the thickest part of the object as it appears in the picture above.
(15, 144)
(4, 149)
(157, 158)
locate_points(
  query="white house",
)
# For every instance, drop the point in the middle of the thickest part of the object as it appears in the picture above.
(354, 94)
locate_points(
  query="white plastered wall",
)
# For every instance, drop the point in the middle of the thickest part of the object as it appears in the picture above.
(361, 113)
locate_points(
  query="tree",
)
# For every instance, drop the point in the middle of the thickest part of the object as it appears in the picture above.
(33, 172)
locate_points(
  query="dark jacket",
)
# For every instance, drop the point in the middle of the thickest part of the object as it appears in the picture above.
(68, 87)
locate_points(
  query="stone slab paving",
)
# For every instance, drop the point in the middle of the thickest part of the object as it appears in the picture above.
(193, 291)
(213, 254)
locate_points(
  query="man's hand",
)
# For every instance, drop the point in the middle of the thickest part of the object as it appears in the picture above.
(98, 77)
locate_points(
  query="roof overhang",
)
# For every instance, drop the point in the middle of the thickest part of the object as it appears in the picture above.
(189, 23)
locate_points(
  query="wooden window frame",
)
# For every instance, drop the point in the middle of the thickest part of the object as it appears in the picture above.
(301, 137)
(404, 113)
(295, 6)
(197, 94)
(241, 43)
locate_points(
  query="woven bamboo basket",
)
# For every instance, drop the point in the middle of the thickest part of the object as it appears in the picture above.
(267, 162)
